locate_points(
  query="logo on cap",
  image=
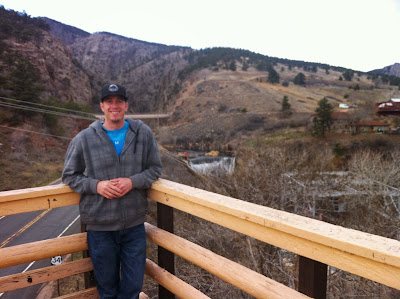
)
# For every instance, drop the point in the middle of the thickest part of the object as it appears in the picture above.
(113, 88)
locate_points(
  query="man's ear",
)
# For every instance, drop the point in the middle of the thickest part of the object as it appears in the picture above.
(102, 106)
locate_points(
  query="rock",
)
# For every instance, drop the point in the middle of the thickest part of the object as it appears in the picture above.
(212, 154)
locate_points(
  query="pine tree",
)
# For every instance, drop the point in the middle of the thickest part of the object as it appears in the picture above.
(300, 79)
(232, 65)
(323, 118)
(348, 75)
(273, 76)
(245, 66)
(285, 104)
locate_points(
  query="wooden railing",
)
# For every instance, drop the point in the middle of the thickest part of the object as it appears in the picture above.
(318, 243)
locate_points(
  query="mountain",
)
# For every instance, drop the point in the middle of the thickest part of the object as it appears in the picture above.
(73, 65)
(67, 34)
(154, 73)
(390, 70)
(147, 70)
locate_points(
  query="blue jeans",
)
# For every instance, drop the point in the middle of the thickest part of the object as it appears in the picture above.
(119, 259)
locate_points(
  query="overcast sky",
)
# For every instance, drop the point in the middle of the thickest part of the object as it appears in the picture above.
(358, 34)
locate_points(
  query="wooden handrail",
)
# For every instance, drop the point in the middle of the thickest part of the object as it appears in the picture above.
(91, 293)
(11, 256)
(245, 279)
(26, 253)
(29, 193)
(36, 199)
(180, 288)
(33, 277)
(370, 256)
(366, 255)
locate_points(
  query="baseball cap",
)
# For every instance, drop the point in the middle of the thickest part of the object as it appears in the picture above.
(113, 89)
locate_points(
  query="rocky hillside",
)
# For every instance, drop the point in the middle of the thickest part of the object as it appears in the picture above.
(51, 60)
(390, 70)
(147, 70)
(160, 78)
(154, 74)
(35, 65)
(70, 65)
(220, 107)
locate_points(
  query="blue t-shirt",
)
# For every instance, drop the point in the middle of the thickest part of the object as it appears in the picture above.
(118, 137)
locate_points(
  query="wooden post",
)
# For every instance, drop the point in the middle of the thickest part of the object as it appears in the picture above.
(312, 278)
(88, 277)
(166, 259)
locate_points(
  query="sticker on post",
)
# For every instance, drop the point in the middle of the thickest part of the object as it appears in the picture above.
(57, 260)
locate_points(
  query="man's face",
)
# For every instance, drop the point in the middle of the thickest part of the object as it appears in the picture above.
(114, 108)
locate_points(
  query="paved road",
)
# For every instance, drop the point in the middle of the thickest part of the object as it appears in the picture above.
(30, 227)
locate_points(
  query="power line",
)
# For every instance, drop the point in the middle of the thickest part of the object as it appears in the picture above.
(43, 105)
(34, 109)
(34, 132)
(40, 110)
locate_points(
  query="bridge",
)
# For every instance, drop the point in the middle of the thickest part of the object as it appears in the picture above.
(317, 244)
(140, 116)
(153, 116)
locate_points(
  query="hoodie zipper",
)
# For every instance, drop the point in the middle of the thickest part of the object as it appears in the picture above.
(126, 146)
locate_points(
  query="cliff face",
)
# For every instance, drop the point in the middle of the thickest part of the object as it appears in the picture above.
(147, 70)
(52, 61)
(391, 70)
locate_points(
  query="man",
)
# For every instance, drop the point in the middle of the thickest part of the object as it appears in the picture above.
(111, 165)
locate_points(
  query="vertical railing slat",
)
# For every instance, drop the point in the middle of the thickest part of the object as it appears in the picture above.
(88, 277)
(166, 259)
(312, 278)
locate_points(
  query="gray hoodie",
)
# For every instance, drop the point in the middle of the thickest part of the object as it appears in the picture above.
(91, 157)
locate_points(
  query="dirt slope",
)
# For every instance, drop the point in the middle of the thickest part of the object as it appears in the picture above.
(218, 104)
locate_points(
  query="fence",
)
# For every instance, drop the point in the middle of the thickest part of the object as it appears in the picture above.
(317, 243)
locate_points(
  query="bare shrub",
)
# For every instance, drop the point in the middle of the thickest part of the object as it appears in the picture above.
(252, 123)
(294, 177)
(259, 178)
(18, 146)
(165, 136)
(222, 108)
(377, 204)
